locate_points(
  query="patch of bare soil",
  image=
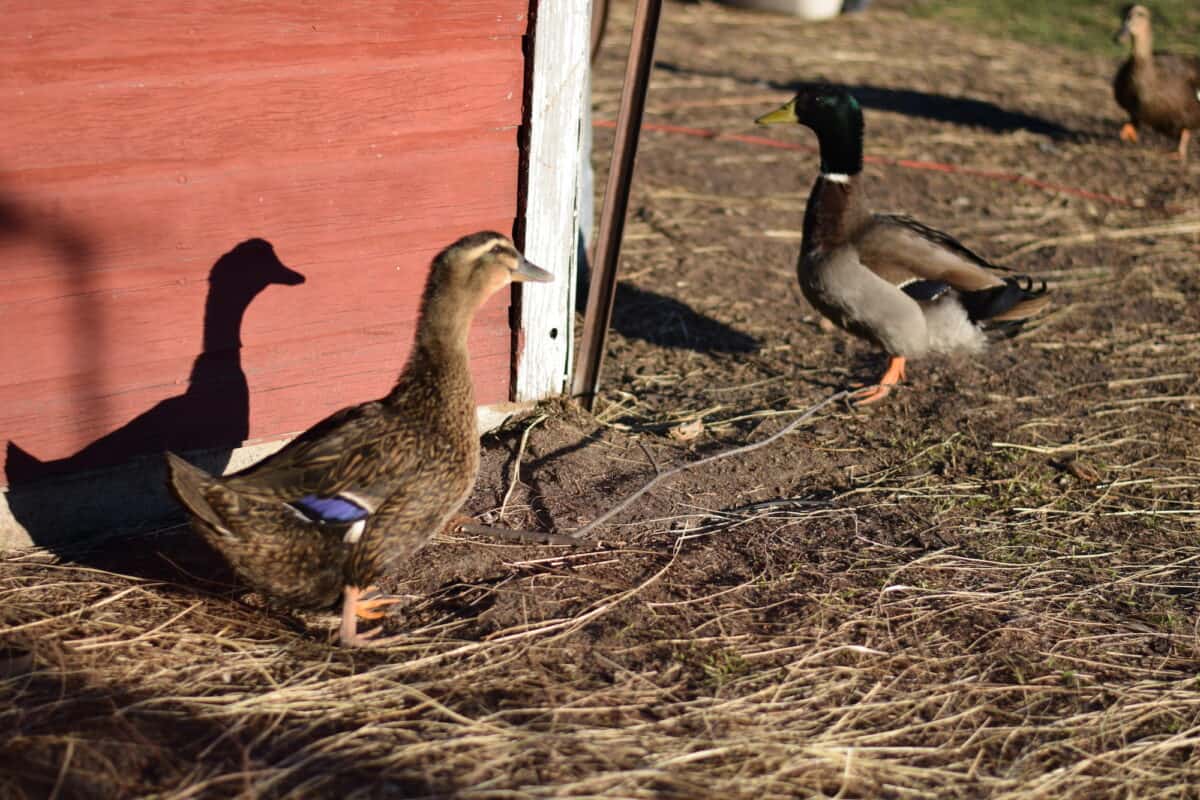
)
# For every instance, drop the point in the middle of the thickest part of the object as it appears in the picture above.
(985, 586)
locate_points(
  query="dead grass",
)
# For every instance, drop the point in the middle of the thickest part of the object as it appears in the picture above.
(1036, 656)
(1055, 666)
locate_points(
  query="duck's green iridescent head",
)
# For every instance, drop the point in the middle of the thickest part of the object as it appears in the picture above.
(835, 116)
(818, 107)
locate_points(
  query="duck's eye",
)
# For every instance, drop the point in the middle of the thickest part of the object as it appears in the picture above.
(496, 250)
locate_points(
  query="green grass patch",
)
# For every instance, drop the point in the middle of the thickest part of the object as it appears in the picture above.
(1079, 24)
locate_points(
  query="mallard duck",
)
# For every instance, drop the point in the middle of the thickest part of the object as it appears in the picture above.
(1158, 89)
(368, 486)
(889, 279)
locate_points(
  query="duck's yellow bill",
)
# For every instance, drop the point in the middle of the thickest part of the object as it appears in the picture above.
(786, 113)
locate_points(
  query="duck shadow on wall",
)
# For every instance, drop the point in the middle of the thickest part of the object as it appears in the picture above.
(909, 102)
(213, 415)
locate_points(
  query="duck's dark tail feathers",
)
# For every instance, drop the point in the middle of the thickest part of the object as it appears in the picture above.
(188, 483)
(1005, 310)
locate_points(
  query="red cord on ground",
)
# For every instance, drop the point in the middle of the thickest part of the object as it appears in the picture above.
(904, 163)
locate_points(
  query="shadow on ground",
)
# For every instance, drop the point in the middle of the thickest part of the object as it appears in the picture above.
(911, 103)
(666, 322)
(80, 736)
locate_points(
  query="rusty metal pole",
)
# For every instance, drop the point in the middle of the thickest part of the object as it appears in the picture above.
(603, 284)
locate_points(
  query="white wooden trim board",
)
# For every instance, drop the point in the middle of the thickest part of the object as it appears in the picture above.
(559, 79)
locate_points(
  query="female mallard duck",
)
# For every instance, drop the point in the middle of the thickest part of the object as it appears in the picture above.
(368, 486)
(1161, 90)
(889, 279)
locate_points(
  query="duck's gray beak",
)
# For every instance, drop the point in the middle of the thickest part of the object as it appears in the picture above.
(1122, 34)
(528, 271)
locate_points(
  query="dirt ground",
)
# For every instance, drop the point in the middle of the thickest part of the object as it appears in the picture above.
(985, 586)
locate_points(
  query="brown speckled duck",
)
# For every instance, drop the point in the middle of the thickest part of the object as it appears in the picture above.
(906, 287)
(1160, 90)
(367, 487)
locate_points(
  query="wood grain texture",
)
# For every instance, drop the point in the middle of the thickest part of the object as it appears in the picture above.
(143, 143)
(555, 163)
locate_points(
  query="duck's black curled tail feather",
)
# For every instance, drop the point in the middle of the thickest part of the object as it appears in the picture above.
(926, 291)
(1005, 309)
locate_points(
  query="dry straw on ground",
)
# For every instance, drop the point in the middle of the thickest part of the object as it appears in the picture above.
(1048, 668)
(1052, 672)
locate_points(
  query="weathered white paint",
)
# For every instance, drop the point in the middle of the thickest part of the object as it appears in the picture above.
(559, 79)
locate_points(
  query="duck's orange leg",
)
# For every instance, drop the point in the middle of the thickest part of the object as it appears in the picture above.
(1129, 133)
(1184, 138)
(363, 604)
(891, 376)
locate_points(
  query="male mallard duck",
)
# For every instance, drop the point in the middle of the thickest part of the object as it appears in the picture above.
(889, 279)
(1161, 90)
(369, 485)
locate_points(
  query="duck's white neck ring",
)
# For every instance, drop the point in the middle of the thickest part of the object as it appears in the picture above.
(835, 177)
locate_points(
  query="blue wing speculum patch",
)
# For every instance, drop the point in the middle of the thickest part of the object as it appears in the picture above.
(335, 509)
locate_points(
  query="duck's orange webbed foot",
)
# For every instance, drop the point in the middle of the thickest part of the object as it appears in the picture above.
(891, 376)
(370, 600)
(364, 604)
(1129, 133)
(1181, 151)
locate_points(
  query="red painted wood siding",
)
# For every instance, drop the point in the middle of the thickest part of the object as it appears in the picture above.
(143, 141)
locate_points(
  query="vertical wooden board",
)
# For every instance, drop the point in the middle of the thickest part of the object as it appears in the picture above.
(356, 139)
(168, 121)
(44, 35)
(559, 77)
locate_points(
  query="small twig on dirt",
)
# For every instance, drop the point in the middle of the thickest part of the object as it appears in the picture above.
(512, 535)
(783, 502)
(586, 529)
(515, 476)
(649, 456)
(1065, 448)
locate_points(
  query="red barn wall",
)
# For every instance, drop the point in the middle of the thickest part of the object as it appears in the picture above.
(144, 141)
